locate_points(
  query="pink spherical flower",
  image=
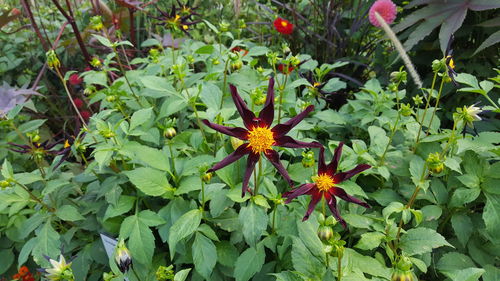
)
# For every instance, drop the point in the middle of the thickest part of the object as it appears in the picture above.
(386, 9)
(74, 79)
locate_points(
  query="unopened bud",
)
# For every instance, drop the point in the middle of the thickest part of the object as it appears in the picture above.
(406, 110)
(206, 177)
(325, 233)
(170, 132)
(435, 163)
(236, 65)
(123, 258)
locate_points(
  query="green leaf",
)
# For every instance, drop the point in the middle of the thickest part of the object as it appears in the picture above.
(453, 261)
(182, 275)
(25, 251)
(7, 260)
(141, 239)
(333, 85)
(31, 125)
(204, 255)
(491, 214)
(69, 213)
(151, 218)
(47, 243)
(453, 163)
(378, 140)
(125, 204)
(463, 227)
(304, 262)
(7, 171)
(370, 240)
(468, 274)
(205, 50)
(492, 273)
(367, 264)
(150, 181)
(159, 84)
(311, 241)
(227, 254)
(468, 79)
(462, 196)
(211, 95)
(140, 117)
(249, 263)
(421, 240)
(417, 166)
(471, 181)
(153, 157)
(254, 221)
(490, 41)
(103, 40)
(182, 228)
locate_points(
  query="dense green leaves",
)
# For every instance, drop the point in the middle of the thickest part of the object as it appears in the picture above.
(254, 221)
(150, 181)
(421, 240)
(182, 228)
(204, 255)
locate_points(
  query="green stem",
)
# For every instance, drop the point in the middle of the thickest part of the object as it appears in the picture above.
(274, 218)
(259, 176)
(50, 209)
(174, 174)
(450, 139)
(393, 130)
(491, 101)
(436, 106)
(282, 92)
(203, 198)
(339, 266)
(426, 107)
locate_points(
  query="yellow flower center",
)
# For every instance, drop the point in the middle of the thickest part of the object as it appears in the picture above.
(66, 144)
(324, 182)
(452, 64)
(316, 84)
(260, 139)
(185, 27)
(284, 23)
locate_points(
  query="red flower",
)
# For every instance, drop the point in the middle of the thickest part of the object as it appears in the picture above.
(283, 68)
(85, 114)
(15, 12)
(29, 277)
(283, 26)
(23, 270)
(238, 49)
(387, 10)
(74, 79)
(325, 185)
(16, 276)
(261, 138)
(78, 102)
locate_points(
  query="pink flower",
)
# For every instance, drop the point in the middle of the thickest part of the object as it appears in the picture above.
(78, 103)
(386, 9)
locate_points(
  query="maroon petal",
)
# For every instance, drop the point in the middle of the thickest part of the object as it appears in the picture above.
(237, 154)
(316, 196)
(236, 132)
(339, 192)
(301, 190)
(283, 129)
(246, 114)
(267, 113)
(340, 177)
(286, 141)
(332, 167)
(251, 161)
(274, 158)
(321, 161)
(332, 204)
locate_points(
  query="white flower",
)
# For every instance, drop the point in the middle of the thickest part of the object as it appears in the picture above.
(60, 270)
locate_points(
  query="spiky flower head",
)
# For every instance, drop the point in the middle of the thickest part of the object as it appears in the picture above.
(468, 115)
(123, 258)
(386, 8)
(60, 270)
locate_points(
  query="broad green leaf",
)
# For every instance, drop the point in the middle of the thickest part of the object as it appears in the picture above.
(140, 117)
(254, 221)
(25, 251)
(103, 40)
(7, 260)
(158, 159)
(421, 240)
(68, 213)
(367, 264)
(462, 196)
(7, 171)
(312, 242)
(211, 95)
(151, 218)
(158, 84)
(31, 125)
(204, 255)
(492, 273)
(182, 228)
(468, 274)
(125, 204)
(378, 140)
(249, 263)
(463, 227)
(150, 181)
(453, 261)
(47, 243)
(182, 275)
(141, 240)
(491, 214)
(370, 240)
(205, 50)
(304, 262)
(417, 166)
(227, 254)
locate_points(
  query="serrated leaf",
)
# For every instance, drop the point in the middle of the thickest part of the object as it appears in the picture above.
(204, 255)
(369, 240)
(254, 221)
(304, 262)
(140, 117)
(150, 181)
(141, 240)
(249, 263)
(462, 225)
(421, 240)
(69, 213)
(491, 214)
(182, 228)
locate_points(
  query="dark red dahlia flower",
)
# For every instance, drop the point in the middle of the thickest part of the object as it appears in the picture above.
(238, 50)
(259, 136)
(325, 185)
(283, 26)
(285, 69)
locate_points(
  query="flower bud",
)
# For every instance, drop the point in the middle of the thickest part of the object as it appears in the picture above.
(399, 275)
(123, 258)
(96, 23)
(95, 62)
(236, 142)
(242, 24)
(233, 56)
(398, 76)
(307, 159)
(325, 233)
(36, 138)
(164, 273)
(438, 65)
(170, 132)
(406, 110)
(107, 134)
(108, 276)
(393, 87)
(111, 98)
(418, 100)
(52, 59)
(60, 270)
(215, 62)
(206, 177)
(435, 163)
(4, 184)
(224, 26)
(236, 65)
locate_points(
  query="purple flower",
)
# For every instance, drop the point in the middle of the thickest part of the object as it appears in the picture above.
(260, 136)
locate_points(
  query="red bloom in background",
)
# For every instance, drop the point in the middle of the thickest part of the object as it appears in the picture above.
(85, 114)
(325, 185)
(78, 102)
(260, 136)
(238, 49)
(23, 274)
(283, 26)
(283, 68)
(74, 79)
